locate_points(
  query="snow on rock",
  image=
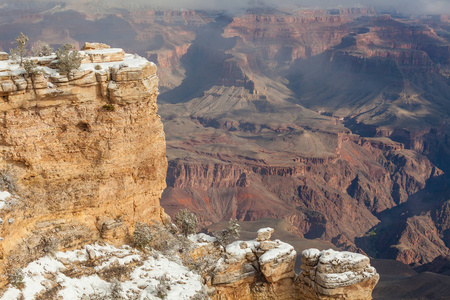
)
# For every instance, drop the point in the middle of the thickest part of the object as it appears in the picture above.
(329, 272)
(281, 250)
(239, 249)
(338, 262)
(4, 197)
(264, 234)
(201, 239)
(102, 55)
(4, 56)
(310, 257)
(278, 262)
(274, 259)
(88, 272)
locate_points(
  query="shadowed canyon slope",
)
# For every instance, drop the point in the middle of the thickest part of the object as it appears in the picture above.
(333, 120)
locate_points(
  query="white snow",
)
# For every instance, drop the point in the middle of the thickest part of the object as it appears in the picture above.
(102, 51)
(9, 68)
(201, 238)
(236, 250)
(283, 249)
(339, 278)
(336, 257)
(267, 229)
(144, 275)
(310, 253)
(130, 61)
(4, 197)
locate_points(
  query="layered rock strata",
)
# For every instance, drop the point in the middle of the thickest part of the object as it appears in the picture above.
(264, 269)
(331, 274)
(83, 153)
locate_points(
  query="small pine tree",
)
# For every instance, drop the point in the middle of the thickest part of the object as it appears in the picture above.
(30, 67)
(142, 235)
(68, 58)
(41, 48)
(232, 231)
(20, 51)
(186, 222)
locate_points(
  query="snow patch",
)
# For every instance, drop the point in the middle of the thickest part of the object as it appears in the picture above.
(267, 229)
(283, 249)
(335, 257)
(145, 275)
(236, 248)
(4, 197)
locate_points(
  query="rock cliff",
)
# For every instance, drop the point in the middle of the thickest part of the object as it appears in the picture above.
(264, 269)
(82, 153)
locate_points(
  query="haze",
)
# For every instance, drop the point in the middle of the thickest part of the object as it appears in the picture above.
(236, 6)
(404, 6)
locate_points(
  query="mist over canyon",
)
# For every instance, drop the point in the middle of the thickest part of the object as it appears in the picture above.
(334, 120)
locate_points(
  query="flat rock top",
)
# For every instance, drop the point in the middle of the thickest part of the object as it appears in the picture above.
(103, 51)
(341, 257)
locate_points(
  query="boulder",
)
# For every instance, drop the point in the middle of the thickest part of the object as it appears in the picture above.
(103, 55)
(278, 262)
(4, 56)
(333, 274)
(95, 46)
(264, 234)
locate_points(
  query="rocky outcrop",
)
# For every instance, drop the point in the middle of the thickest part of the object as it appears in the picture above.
(330, 274)
(83, 152)
(264, 269)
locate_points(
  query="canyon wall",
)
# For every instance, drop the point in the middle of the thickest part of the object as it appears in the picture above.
(83, 153)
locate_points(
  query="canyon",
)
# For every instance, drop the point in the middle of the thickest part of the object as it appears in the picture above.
(334, 120)
(76, 179)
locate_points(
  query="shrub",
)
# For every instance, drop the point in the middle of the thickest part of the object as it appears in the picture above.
(8, 181)
(186, 222)
(116, 290)
(163, 288)
(200, 295)
(50, 244)
(16, 278)
(68, 58)
(30, 67)
(109, 107)
(204, 265)
(18, 53)
(41, 48)
(232, 231)
(98, 67)
(142, 235)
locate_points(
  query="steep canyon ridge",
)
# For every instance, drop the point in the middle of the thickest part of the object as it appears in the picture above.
(334, 120)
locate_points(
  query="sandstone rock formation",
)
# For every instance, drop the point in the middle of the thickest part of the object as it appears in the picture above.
(330, 274)
(83, 154)
(264, 269)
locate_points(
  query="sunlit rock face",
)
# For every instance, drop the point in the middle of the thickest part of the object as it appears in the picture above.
(331, 274)
(264, 269)
(85, 152)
